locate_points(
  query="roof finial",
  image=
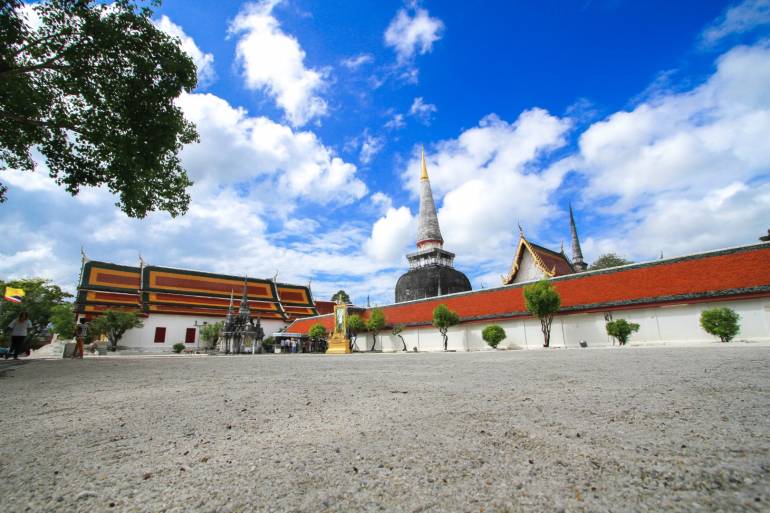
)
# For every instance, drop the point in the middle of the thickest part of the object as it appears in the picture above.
(424, 175)
(521, 230)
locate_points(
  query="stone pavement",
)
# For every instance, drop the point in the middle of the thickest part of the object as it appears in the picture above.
(619, 429)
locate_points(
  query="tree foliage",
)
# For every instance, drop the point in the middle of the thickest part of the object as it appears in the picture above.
(621, 329)
(92, 88)
(210, 333)
(342, 295)
(355, 326)
(608, 260)
(542, 300)
(721, 322)
(375, 323)
(397, 330)
(443, 319)
(114, 324)
(493, 335)
(63, 320)
(317, 332)
(41, 296)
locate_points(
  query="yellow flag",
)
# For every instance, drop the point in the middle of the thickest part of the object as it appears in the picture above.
(14, 295)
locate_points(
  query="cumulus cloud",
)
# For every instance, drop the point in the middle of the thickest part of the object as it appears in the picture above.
(356, 61)
(396, 122)
(391, 236)
(370, 147)
(490, 177)
(236, 147)
(274, 62)
(422, 111)
(203, 61)
(412, 32)
(738, 19)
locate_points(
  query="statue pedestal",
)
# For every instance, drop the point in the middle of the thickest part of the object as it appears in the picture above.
(338, 344)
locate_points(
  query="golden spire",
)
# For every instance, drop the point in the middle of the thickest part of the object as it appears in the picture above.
(424, 175)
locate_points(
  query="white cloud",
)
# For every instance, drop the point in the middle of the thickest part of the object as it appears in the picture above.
(203, 61)
(370, 147)
(235, 147)
(391, 236)
(489, 178)
(273, 61)
(396, 122)
(738, 19)
(356, 61)
(422, 111)
(382, 200)
(411, 34)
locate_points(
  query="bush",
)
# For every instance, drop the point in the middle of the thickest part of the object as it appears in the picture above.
(493, 335)
(267, 344)
(178, 347)
(621, 329)
(721, 322)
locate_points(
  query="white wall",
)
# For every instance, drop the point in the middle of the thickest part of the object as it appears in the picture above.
(679, 324)
(141, 339)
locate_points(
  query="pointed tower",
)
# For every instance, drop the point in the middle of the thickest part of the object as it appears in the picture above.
(577, 254)
(431, 272)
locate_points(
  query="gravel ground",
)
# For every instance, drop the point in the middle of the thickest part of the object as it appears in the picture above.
(631, 429)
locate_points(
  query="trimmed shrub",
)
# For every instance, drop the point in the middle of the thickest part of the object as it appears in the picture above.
(621, 329)
(178, 347)
(721, 322)
(493, 335)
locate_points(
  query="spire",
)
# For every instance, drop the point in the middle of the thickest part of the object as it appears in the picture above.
(577, 254)
(428, 231)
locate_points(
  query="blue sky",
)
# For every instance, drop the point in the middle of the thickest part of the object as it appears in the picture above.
(651, 118)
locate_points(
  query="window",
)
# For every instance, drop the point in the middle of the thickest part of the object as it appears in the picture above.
(189, 336)
(160, 335)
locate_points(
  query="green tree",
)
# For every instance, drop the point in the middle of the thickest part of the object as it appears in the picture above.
(542, 300)
(317, 332)
(93, 89)
(397, 330)
(621, 329)
(355, 326)
(63, 320)
(342, 295)
(608, 260)
(721, 322)
(375, 323)
(40, 297)
(493, 335)
(443, 319)
(210, 333)
(114, 324)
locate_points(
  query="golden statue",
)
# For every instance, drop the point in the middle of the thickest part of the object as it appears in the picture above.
(339, 343)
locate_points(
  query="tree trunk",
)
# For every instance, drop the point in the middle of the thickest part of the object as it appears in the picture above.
(402, 341)
(446, 339)
(545, 326)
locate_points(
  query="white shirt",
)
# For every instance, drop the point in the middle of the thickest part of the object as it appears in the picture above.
(19, 328)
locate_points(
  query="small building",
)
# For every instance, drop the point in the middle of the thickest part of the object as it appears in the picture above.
(175, 303)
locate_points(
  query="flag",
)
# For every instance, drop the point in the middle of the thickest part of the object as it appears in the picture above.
(14, 295)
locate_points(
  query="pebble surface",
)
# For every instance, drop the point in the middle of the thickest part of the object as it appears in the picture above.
(592, 430)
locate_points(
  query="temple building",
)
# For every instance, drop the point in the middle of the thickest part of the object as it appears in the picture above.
(431, 271)
(175, 303)
(534, 262)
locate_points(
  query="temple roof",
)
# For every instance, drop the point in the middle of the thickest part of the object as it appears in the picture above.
(737, 273)
(550, 262)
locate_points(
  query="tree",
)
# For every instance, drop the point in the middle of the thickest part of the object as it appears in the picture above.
(317, 332)
(114, 324)
(443, 319)
(92, 88)
(355, 326)
(721, 322)
(40, 297)
(621, 329)
(493, 335)
(397, 330)
(375, 323)
(63, 320)
(608, 260)
(210, 333)
(342, 295)
(543, 301)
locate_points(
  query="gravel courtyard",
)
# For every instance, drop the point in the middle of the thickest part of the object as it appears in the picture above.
(631, 429)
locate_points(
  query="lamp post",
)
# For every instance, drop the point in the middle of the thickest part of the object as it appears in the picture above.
(198, 338)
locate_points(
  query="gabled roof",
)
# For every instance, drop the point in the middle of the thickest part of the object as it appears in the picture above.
(551, 263)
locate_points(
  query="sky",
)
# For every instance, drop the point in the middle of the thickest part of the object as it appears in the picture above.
(652, 119)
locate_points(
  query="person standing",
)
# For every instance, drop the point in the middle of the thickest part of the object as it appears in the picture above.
(81, 334)
(19, 328)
